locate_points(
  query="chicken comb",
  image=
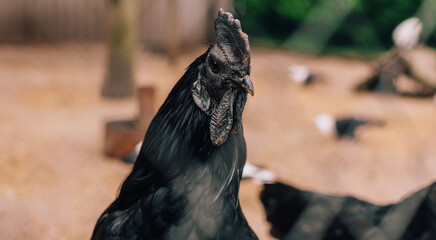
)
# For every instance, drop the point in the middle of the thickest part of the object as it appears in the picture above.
(231, 40)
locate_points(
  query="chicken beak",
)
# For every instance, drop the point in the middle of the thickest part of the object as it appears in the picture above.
(247, 84)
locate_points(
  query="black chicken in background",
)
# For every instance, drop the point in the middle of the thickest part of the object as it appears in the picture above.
(298, 214)
(343, 127)
(185, 181)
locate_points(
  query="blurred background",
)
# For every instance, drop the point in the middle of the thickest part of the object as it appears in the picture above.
(80, 80)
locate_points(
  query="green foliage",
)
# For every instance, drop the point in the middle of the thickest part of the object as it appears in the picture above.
(369, 25)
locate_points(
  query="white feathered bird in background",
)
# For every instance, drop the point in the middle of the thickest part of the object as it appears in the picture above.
(300, 74)
(407, 34)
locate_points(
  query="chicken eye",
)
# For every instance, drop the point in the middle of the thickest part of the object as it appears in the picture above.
(214, 66)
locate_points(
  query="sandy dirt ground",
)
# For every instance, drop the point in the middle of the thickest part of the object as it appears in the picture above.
(55, 180)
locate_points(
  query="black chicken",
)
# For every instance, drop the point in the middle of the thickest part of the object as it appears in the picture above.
(185, 182)
(298, 214)
(344, 127)
(250, 171)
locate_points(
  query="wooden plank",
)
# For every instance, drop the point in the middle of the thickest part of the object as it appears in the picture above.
(11, 20)
(70, 20)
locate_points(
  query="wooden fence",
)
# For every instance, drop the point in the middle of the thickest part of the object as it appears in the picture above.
(87, 20)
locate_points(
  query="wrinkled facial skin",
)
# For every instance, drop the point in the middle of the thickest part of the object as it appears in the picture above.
(223, 82)
(222, 72)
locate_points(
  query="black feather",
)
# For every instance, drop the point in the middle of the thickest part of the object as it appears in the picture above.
(181, 185)
(348, 217)
(346, 127)
(185, 181)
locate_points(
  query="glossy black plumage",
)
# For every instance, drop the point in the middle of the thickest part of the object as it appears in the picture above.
(346, 127)
(298, 214)
(183, 184)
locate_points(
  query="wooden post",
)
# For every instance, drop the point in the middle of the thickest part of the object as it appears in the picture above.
(146, 105)
(119, 80)
(173, 31)
(122, 136)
